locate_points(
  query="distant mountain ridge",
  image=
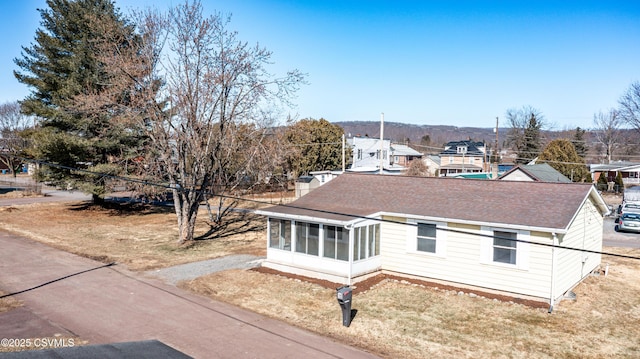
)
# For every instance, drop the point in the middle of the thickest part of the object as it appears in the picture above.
(438, 134)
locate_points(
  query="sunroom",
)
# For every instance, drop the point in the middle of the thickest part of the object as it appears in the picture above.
(332, 250)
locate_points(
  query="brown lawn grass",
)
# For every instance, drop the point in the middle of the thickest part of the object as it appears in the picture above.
(394, 319)
(141, 239)
(8, 303)
(398, 319)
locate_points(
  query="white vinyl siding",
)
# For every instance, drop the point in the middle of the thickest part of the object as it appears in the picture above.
(585, 232)
(462, 262)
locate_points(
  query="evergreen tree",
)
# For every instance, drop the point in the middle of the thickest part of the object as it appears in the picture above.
(619, 186)
(531, 146)
(524, 135)
(580, 143)
(562, 155)
(316, 145)
(63, 69)
(603, 184)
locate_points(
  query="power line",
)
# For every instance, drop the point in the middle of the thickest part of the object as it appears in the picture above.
(355, 216)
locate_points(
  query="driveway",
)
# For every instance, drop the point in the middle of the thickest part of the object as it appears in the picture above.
(108, 304)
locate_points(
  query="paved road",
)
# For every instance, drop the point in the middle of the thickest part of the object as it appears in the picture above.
(111, 304)
(611, 238)
(50, 195)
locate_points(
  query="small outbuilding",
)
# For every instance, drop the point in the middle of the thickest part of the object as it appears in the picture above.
(533, 239)
(306, 184)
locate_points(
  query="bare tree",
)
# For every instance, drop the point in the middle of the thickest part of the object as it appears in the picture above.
(630, 106)
(524, 132)
(607, 131)
(204, 99)
(417, 168)
(12, 144)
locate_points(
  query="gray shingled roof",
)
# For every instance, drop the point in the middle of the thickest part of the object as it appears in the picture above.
(541, 205)
(539, 172)
(473, 148)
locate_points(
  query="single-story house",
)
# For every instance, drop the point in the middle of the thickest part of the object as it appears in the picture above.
(402, 155)
(538, 172)
(506, 236)
(629, 171)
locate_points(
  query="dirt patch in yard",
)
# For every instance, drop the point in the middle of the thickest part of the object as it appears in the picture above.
(367, 284)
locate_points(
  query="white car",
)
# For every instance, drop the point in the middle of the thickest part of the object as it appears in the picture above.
(629, 207)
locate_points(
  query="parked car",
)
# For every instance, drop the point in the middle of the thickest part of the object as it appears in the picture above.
(628, 207)
(628, 222)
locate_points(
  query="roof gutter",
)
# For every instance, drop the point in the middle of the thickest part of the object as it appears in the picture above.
(475, 223)
(313, 219)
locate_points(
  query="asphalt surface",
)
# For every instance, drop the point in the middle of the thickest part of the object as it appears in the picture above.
(111, 304)
(611, 238)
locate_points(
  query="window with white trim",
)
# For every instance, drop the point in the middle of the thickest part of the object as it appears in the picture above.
(505, 248)
(426, 239)
(280, 234)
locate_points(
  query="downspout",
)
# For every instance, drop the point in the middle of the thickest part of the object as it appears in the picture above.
(553, 273)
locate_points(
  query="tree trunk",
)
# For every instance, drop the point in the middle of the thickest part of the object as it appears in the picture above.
(97, 199)
(186, 206)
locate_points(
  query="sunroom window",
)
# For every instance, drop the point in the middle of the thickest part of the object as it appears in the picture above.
(279, 234)
(336, 243)
(307, 237)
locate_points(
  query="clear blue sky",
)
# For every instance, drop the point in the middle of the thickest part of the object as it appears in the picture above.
(458, 63)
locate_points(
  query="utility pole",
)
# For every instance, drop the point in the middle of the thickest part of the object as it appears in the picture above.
(381, 142)
(343, 154)
(496, 151)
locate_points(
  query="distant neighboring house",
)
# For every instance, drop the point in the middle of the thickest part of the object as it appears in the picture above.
(462, 157)
(540, 172)
(402, 155)
(490, 235)
(433, 164)
(629, 171)
(367, 153)
(325, 176)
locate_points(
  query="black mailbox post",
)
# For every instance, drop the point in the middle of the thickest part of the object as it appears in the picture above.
(344, 299)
